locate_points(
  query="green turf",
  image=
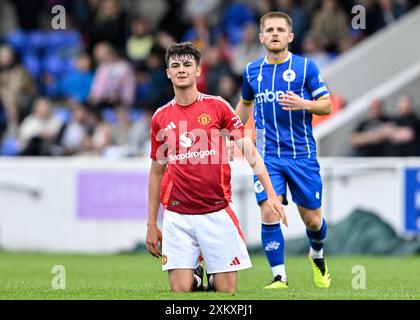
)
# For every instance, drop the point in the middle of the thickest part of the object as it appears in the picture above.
(139, 276)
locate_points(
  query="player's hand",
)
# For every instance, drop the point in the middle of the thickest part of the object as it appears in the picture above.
(154, 241)
(278, 209)
(291, 101)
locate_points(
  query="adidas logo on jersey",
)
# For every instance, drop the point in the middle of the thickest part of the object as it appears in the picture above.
(170, 126)
(235, 262)
(269, 96)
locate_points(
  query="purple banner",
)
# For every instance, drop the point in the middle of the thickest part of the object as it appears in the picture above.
(108, 195)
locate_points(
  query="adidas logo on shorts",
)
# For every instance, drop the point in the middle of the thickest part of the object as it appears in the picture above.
(235, 262)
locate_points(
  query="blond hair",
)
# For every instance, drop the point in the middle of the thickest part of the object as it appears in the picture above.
(276, 14)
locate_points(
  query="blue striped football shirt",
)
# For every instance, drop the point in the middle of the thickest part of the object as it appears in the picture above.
(281, 133)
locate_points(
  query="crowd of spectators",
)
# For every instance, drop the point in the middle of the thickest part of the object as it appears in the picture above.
(92, 88)
(394, 135)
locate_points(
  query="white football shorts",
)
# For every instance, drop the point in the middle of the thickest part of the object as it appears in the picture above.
(217, 237)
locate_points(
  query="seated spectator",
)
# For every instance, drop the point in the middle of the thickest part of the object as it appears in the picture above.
(405, 138)
(371, 137)
(345, 43)
(153, 11)
(390, 11)
(17, 88)
(235, 16)
(139, 140)
(108, 24)
(76, 84)
(140, 42)
(3, 123)
(99, 135)
(228, 89)
(213, 68)
(154, 87)
(248, 49)
(373, 17)
(330, 23)
(120, 135)
(200, 33)
(225, 48)
(301, 21)
(39, 129)
(72, 135)
(114, 81)
(261, 7)
(313, 50)
(163, 40)
(142, 85)
(203, 8)
(120, 131)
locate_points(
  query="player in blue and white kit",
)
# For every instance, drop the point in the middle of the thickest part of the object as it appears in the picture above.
(284, 90)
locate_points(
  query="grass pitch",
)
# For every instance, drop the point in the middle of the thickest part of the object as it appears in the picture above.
(139, 276)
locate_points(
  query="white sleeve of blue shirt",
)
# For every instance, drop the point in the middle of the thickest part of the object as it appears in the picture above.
(314, 82)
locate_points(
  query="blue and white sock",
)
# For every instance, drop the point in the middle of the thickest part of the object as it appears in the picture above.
(316, 240)
(273, 244)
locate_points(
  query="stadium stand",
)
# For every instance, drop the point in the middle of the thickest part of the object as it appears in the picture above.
(388, 78)
(140, 31)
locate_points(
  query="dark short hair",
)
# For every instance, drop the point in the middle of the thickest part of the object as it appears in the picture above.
(276, 14)
(184, 49)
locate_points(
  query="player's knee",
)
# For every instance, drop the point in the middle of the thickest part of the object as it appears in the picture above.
(226, 287)
(225, 283)
(181, 287)
(313, 223)
(181, 284)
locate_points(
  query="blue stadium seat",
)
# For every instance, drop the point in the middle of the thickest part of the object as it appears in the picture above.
(135, 114)
(17, 39)
(234, 34)
(53, 64)
(237, 15)
(36, 40)
(55, 40)
(69, 64)
(9, 147)
(63, 113)
(32, 64)
(109, 115)
(62, 39)
(73, 38)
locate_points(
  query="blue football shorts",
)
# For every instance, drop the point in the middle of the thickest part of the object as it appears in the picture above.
(302, 175)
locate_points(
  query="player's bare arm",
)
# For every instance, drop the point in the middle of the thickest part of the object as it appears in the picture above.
(244, 110)
(291, 101)
(154, 235)
(257, 164)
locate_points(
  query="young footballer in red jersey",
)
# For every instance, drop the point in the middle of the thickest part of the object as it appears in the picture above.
(190, 175)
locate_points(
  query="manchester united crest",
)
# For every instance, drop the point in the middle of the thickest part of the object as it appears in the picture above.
(204, 119)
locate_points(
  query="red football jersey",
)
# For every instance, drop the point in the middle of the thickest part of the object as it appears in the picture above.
(192, 139)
